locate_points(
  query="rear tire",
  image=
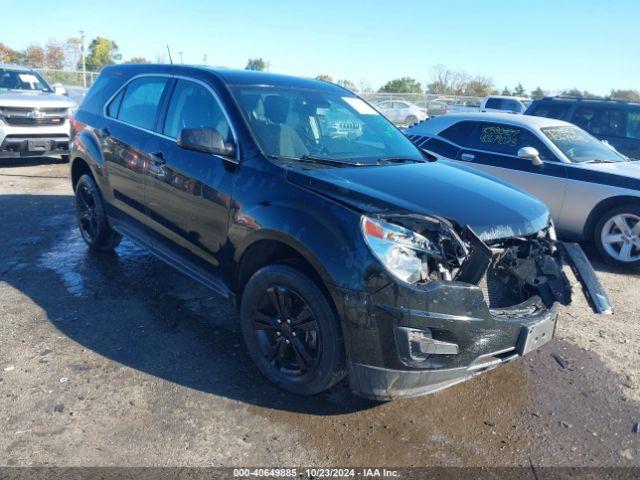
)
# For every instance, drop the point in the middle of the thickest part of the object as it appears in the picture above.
(92, 219)
(410, 120)
(291, 331)
(617, 236)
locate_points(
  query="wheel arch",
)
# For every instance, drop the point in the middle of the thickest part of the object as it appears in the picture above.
(602, 207)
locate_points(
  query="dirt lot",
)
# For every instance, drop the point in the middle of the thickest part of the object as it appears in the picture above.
(117, 359)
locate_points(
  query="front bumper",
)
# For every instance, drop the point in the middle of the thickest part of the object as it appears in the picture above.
(18, 142)
(462, 337)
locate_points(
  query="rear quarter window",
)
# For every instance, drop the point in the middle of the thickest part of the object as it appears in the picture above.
(550, 110)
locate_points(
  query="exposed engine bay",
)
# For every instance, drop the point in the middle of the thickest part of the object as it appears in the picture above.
(510, 271)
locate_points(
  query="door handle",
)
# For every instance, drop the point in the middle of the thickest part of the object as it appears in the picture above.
(467, 157)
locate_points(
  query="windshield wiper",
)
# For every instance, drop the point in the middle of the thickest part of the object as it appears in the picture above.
(600, 160)
(400, 160)
(320, 160)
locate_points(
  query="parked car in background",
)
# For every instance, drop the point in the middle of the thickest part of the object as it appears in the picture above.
(402, 112)
(593, 192)
(436, 107)
(617, 122)
(339, 261)
(501, 103)
(34, 119)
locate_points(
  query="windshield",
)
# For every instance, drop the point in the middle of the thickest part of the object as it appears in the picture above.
(22, 80)
(579, 146)
(301, 123)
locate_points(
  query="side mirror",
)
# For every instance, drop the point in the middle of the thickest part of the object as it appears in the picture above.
(205, 140)
(530, 153)
(58, 89)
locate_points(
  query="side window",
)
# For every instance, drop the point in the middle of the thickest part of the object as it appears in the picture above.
(459, 133)
(494, 103)
(193, 106)
(601, 121)
(114, 107)
(633, 124)
(140, 101)
(550, 110)
(510, 105)
(507, 139)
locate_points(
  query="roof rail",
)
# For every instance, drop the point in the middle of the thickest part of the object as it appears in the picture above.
(593, 99)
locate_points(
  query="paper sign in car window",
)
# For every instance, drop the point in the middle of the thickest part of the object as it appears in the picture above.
(360, 106)
(28, 78)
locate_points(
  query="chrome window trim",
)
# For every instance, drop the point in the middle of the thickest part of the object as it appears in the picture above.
(236, 159)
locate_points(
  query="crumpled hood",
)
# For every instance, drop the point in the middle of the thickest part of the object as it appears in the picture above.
(34, 99)
(492, 208)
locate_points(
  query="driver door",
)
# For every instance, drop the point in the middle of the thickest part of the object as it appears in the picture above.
(188, 193)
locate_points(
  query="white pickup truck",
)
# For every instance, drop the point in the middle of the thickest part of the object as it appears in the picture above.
(34, 117)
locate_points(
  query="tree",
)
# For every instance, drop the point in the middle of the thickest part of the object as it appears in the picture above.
(538, 93)
(348, 84)
(574, 92)
(628, 95)
(324, 77)
(520, 91)
(34, 56)
(8, 55)
(54, 55)
(137, 60)
(506, 91)
(402, 85)
(102, 51)
(257, 64)
(478, 87)
(73, 52)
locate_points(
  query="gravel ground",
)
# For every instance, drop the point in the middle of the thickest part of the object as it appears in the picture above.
(117, 359)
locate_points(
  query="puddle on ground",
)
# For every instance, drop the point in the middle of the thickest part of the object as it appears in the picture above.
(71, 259)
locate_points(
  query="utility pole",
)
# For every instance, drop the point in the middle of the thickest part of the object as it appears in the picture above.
(204, 59)
(180, 55)
(84, 63)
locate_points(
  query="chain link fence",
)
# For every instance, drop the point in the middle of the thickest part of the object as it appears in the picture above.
(71, 78)
(423, 99)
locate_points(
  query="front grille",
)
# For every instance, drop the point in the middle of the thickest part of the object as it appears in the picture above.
(33, 117)
(34, 122)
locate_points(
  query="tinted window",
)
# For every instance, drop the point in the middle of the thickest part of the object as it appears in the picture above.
(114, 106)
(507, 139)
(600, 121)
(494, 103)
(550, 110)
(459, 133)
(193, 106)
(140, 102)
(633, 124)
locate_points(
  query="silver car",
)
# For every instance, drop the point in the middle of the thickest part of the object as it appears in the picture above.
(593, 191)
(402, 112)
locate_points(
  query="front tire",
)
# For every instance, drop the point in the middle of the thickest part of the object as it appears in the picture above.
(291, 331)
(617, 236)
(92, 220)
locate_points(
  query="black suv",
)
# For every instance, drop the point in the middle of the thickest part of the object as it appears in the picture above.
(346, 250)
(617, 122)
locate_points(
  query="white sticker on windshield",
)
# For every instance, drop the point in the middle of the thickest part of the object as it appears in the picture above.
(28, 78)
(360, 106)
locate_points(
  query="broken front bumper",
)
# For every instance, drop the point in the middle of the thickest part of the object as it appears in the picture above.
(444, 333)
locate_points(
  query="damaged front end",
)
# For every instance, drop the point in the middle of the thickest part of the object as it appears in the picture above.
(459, 305)
(421, 249)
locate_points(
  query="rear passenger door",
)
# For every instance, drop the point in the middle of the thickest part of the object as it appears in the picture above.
(188, 193)
(493, 148)
(126, 138)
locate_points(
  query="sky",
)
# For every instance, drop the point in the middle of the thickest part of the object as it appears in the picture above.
(555, 44)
